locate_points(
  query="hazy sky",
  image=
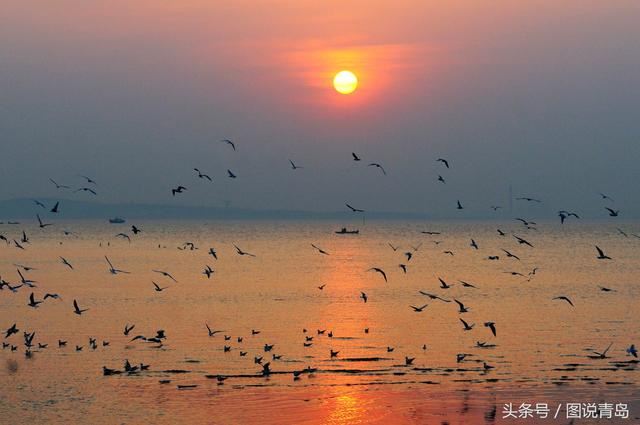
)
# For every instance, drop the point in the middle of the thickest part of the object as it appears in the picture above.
(543, 95)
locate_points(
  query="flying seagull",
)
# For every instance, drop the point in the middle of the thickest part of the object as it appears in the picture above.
(364, 296)
(229, 142)
(492, 326)
(612, 213)
(158, 288)
(523, 198)
(564, 298)
(606, 197)
(418, 309)
(467, 284)
(77, 310)
(41, 224)
(123, 236)
(241, 252)
(166, 274)
(434, 297)
(66, 263)
(522, 241)
(379, 270)
(59, 186)
(444, 161)
(201, 175)
(354, 209)
(510, 255)
(112, 269)
(375, 164)
(602, 355)
(601, 254)
(443, 284)
(467, 327)
(86, 189)
(320, 250)
(32, 301)
(461, 307)
(89, 180)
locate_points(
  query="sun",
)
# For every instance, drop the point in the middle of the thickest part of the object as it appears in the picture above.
(345, 82)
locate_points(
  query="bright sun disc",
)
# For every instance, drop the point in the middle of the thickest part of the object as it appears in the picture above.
(345, 82)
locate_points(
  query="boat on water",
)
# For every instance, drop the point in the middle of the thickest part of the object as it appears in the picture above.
(117, 220)
(345, 231)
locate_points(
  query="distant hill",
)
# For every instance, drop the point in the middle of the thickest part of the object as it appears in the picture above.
(23, 208)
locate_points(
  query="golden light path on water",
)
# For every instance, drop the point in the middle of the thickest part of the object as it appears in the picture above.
(541, 352)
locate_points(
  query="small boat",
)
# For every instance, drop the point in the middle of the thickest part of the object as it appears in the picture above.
(117, 220)
(186, 387)
(344, 231)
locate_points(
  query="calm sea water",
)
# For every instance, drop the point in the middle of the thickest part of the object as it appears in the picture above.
(541, 354)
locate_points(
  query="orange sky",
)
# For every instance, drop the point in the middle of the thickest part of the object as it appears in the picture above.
(476, 80)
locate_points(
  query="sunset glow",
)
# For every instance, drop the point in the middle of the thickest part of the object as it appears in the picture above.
(270, 212)
(345, 82)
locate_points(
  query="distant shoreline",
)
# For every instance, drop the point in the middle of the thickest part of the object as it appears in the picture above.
(25, 208)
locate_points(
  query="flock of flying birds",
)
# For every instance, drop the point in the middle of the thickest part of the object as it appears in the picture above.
(26, 284)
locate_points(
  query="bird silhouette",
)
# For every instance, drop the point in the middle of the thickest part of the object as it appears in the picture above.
(522, 241)
(320, 250)
(443, 284)
(434, 297)
(86, 189)
(354, 209)
(210, 331)
(523, 198)
(112, 269)
(241, 252)
(32, 301)
(612, 213)
(601, 254)
(492, 326)
(59, 186)
(158, 288)
(444, 161)
(201, 175)
(379, 270)
(461, 307)
(41, 224)
(418, 309)
(229, 142)
(564, 298)
(375, 164)
(466, 326)
(77, 310)
(165, 274)
(66, 263)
